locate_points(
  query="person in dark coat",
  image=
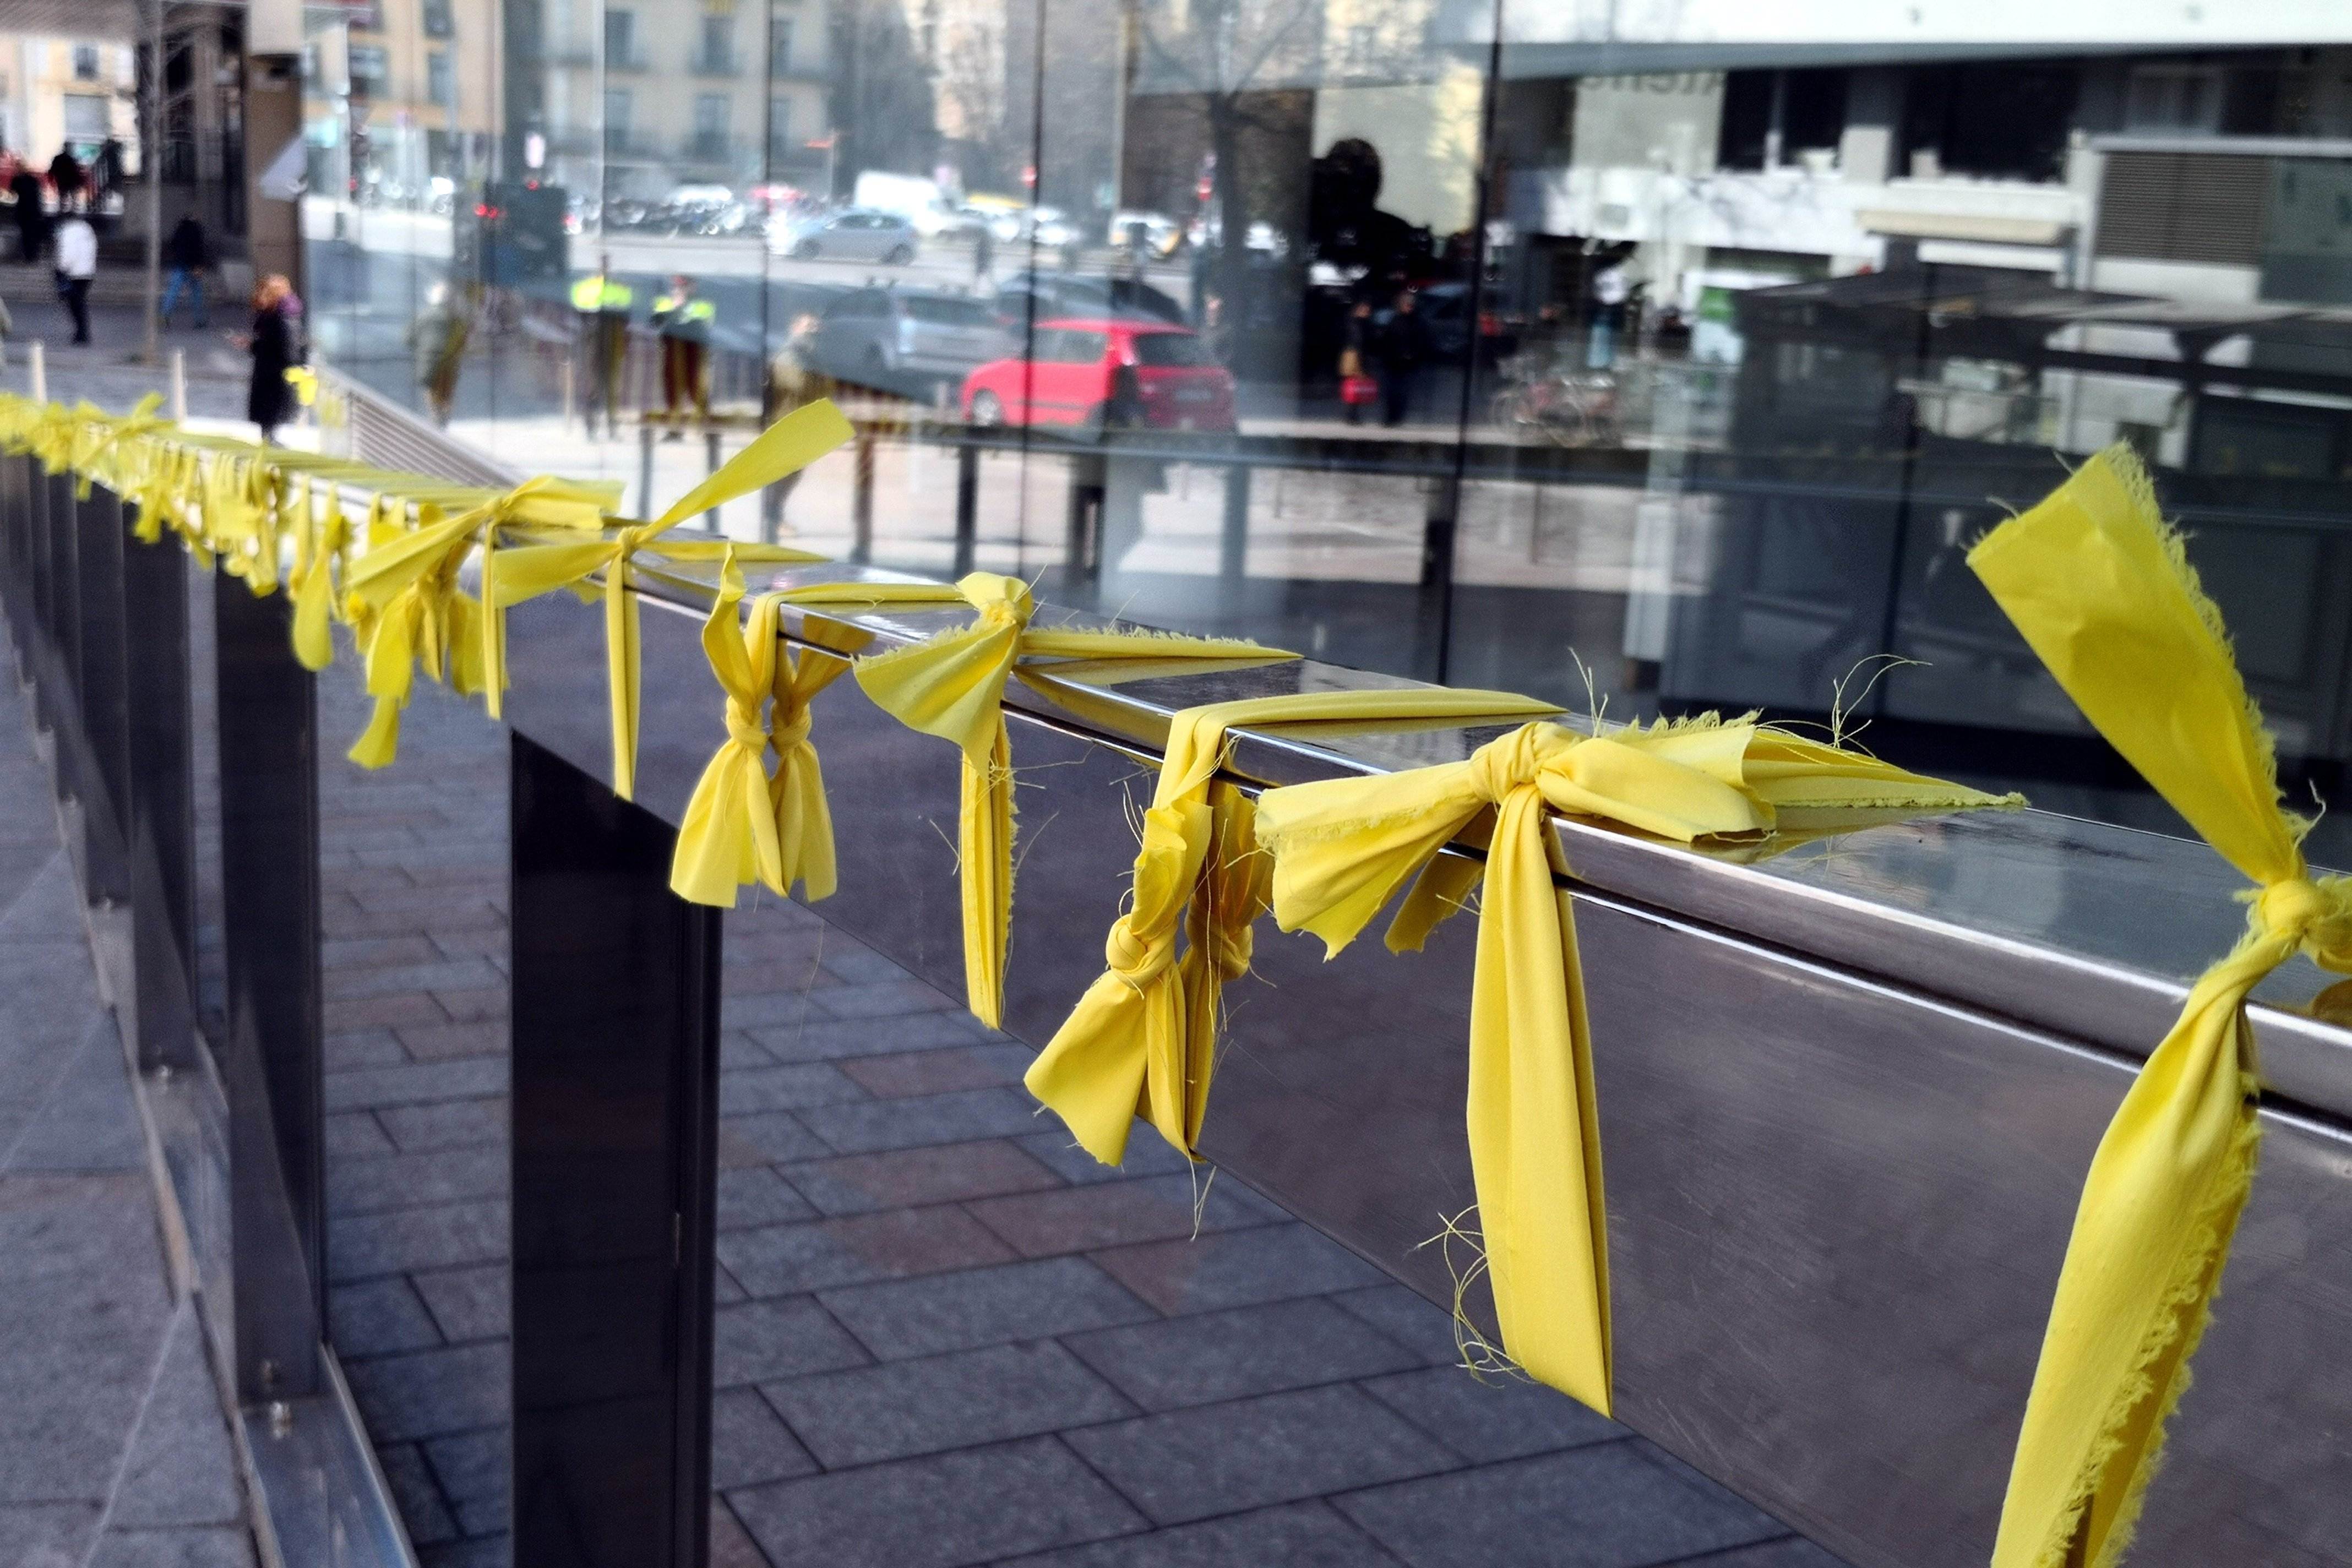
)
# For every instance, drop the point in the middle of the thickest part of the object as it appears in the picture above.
(32, 212)
(188, 255)
(270, 400)
(1404, 349)
(65, 178)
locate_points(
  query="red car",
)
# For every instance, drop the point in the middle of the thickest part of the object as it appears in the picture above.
(1092, 373)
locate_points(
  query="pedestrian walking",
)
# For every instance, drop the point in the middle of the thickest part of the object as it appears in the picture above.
(273, 346)
(1610, 291)
(794, 383)
(1404, 349)
(77, 265)
(437, 339)
(32, 212)
(1357, 387)
(601, 303)
(983, 255)
(684, 323)
(106, 170)
(188, 252)
(66, 179)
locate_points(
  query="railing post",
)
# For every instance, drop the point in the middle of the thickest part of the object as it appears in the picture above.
(98, 527)
(270, 905)
(162, 805)
(967, 516)
(614, 1106)
(61, 704)
(1233, 542)
(17, 500)
(861, 515)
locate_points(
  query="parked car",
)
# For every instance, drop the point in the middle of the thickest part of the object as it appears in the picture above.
(872, 333)
(1076, 294)
(855, 234)
(1093, 371)
(1163, 234)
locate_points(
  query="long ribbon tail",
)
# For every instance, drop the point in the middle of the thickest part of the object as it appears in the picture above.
(804, 823)
(621, 676)
(1535, 1142)
(986, 875)
(2151, 1237)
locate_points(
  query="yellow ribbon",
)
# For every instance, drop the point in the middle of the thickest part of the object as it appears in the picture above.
(2102, 592)
(1342, 847)
(544, 560)
(952, 686)
(1142, 1041)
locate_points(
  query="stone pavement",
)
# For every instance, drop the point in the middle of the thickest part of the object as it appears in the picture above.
(945, 1336)
(114, 1450)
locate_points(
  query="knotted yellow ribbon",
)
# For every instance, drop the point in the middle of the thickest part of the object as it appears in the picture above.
(2103, 594)
(952, 686)
(543, 560)
(325, 538)
(1142, 1041)
(1342, 847)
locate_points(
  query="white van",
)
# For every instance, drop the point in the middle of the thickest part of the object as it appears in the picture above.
(912, 197)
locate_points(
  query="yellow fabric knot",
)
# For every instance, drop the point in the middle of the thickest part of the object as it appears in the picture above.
(532, 555)
(2102, 591)
(1142, 1040)
(952, 686)
(1344, 848)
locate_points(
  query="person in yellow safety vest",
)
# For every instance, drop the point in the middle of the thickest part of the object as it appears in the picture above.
(601, 302)
(684, 323)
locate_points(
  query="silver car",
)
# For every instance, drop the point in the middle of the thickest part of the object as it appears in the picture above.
(872, 335)
(859, 234)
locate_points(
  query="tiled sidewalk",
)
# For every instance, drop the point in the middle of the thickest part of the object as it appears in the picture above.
(114, 1450)
(946, 1337)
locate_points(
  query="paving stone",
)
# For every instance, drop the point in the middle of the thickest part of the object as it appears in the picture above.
(938, 1172)
(378, 1317)
(848, 960)
(354, 1136)
(787, 1259)
(469, 1303)
(363, 951)
(954, 1401)
(1410, 1319)
(341, 917)
(439, 1041)
(1082, 1219)
(783, 1087)
(492, 942)
(475, 1006)
(731, 1545)
(755, 1195)
(883, 999)
(1281, 1447)
(868, 1125)
(359, 1247)
(418, 1083)
(938, 1071)
(766, 1138)
(86, 1120)
(407, 1009)
(47, 1534)
(767, 1010)
(1268, 1263)
(426, 1394)
(832, 1039)
(750, 1444)
(356, 1048)
(983, 1306)
(1294, 1535)
(451, 1124)
(212, 1547)
(181, 1469)
(422, 1510)
(1148, 1155)
(472, 1467)
(1213, 1356)
(1789, 1551)
(1604, 1506)
(738, 1050)
(758, 1341)
(942, 1511)
(380, 1181)
(1499, 1416)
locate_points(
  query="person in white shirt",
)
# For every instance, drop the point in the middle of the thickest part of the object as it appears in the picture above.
(77, 264)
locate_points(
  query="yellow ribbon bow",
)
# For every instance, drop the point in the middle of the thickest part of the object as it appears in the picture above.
(545, 560)
(1343, 847)
(2103, 594)
(1141, 1040)
(325, 537)
(743, 823)
(952, 686)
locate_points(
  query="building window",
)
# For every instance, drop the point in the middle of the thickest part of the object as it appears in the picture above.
(779, 130)
(779, 46)
(371, 68)
(437, 19)
(2174, 97)
(438, 85)
(86, 117)
(85, 62)
(621, 41)
(718, 53)
(712, 114)
(616, 118)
